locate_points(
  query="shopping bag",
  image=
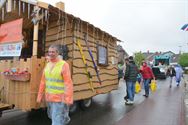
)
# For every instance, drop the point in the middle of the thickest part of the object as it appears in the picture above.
(137, 87)
(153, 86)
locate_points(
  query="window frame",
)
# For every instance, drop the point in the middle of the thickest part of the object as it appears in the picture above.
(101, 56)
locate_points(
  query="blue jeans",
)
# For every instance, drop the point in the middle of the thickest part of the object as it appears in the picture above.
(58, 112)
(146, 86)
(131, 90)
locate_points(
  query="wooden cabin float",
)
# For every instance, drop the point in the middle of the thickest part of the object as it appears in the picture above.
(43, 25)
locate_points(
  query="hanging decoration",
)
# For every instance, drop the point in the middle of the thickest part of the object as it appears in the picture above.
(58, 24)
(46, 15)
(14, 6)
(36, 16)
(9, 5)
(23, 7)
(3, 14)
(19, 7)
(42, 17)
(28, 6)
(93, 48)
(6, 6)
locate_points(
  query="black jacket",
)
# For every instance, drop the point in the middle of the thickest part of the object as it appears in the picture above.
(171, 72)
(131, 72)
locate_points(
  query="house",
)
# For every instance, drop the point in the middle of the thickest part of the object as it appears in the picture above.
(122, 54)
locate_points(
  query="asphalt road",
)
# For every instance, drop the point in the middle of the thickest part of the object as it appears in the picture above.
(106, 109)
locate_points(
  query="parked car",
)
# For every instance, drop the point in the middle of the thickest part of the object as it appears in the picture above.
(159, 73)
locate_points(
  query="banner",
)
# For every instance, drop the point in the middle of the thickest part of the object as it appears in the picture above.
(13, 49)
(11, 31)
(185, 27)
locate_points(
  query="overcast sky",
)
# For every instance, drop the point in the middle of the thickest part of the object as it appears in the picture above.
(143, 25)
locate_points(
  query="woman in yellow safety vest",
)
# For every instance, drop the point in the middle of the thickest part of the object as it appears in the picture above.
(56, 85)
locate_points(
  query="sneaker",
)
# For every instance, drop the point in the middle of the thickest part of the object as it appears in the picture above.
(129, 102)
(170, 86)
(145, 95)
(67, 120)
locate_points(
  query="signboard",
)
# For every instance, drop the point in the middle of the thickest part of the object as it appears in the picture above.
(11, 31)
(13, 49)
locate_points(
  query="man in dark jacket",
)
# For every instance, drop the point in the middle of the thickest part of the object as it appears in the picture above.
(171, 72)
(130, 77)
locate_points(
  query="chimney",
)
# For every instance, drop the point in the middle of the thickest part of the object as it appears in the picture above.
(60, 5)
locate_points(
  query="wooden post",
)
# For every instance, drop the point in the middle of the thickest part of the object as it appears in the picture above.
(35, 39)
(35, 34)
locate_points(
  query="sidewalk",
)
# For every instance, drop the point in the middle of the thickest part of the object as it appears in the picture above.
(164, 107)
(186, 100)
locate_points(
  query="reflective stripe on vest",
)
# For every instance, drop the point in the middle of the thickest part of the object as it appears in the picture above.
(54, 79)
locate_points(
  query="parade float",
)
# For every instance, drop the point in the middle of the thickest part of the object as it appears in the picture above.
(28, 28)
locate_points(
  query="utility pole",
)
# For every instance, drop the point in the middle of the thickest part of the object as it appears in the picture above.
(180, 50)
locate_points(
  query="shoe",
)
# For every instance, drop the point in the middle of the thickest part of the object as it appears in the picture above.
(146, 96)
(129, 102)
(67, 120)
(126, 98)
(177, 85)
(170, 86)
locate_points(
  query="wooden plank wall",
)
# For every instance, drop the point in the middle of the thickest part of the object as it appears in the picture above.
(58, 34)
(108, 74)
(22, 94)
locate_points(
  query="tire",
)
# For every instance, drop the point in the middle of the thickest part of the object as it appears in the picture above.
(73, 108)
(85, 104)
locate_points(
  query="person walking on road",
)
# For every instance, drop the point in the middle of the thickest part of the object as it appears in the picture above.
(57, 86)
(172, 73)
(130, 77)
(126, 65)
(179, 74)
(147, 75)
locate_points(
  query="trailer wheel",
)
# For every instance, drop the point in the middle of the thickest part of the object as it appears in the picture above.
(73, 107)
(85, 104)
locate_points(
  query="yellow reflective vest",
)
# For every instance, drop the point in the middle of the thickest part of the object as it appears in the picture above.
(54, 79)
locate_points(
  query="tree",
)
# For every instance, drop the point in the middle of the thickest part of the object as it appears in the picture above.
(183, 60)
(139, 57)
